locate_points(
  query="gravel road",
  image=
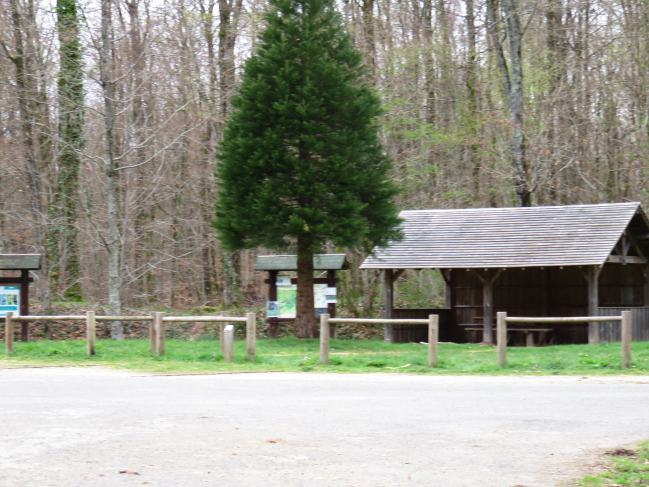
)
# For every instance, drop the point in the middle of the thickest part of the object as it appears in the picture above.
(99, 427)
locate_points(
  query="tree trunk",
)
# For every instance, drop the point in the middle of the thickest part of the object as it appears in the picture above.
(64, 250)
(512, 83)
(305, 315)
(472, 92)
(113, 243)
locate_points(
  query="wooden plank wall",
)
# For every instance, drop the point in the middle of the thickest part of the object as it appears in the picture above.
(417, 333)
(610, 331)
(547, 292)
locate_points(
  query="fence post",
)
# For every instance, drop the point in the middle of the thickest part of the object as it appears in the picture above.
(160, 334)
(221, 326)
(228, 343)
(152, 335)
(502, 337)
(324, 338)
(251, 332)
(9, 333)
(626, 339)
(433, 338)
(91, 334)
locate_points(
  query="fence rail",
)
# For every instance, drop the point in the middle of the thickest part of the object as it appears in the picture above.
(503, 319)
(433, 332)
(156, 328)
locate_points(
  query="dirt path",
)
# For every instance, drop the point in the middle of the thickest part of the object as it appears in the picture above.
(81, 427)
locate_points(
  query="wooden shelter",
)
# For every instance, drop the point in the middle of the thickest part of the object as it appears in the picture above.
(539, 261)
(22, 263)
(274, 264)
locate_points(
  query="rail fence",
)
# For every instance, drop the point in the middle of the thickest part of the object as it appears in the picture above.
(157, 329)
(625, 319)
(433, 332)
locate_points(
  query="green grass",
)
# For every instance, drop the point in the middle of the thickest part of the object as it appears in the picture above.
(290, 354)
(623, 471)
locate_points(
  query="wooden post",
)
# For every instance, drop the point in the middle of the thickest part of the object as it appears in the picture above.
(433, 338)
(251, 332)
(91, 333)
(24, 304)
(626, 339)
(221, 326)
(488, 306)
(160, 334)
(273, 323)
(324, 338)
(389, 303)
(448, 295)
(331, 307)
(502, 337)
(9, 333)
(591, 274)
(645, 293)
(228, 343)
(153, 340)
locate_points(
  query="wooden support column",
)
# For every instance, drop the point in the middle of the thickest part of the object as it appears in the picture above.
(273, 323)
(488, 277)
(488, 306)
(645, 272)
(592, 274)
(389, 304)
(24, 304)
(446, 274)
(331, 307)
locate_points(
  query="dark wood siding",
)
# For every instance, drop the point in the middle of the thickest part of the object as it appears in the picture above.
(611, 331)
(419, 333)
(550, 291)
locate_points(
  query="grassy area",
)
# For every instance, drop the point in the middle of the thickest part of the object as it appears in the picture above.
(290, 354)
(626, 469)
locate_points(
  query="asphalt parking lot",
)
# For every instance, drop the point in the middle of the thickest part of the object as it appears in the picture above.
(100, 427)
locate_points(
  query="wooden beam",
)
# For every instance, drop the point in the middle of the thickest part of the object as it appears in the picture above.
(634, 242)
(645, 273)
(24, 304)
(273, 325)
(488, 278)
(446, 274)
(331, 307)
(591, 274)
(398, 274)
(630, 259)
(389, 303)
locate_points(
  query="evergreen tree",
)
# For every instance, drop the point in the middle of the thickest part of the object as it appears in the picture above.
(301, 163)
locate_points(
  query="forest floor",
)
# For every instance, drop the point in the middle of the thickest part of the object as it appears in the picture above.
(346, 356)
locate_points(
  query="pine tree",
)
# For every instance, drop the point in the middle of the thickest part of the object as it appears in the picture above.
(301, 163)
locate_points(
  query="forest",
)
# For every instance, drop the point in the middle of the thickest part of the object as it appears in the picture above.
(111, 112)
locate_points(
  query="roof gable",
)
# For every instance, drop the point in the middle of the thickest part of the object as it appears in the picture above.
(507, 237)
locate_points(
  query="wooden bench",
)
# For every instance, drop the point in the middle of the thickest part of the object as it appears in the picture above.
(529, 334)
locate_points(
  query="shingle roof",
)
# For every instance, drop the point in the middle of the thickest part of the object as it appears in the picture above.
(20, 261)
(321, 262)
(509, 237)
